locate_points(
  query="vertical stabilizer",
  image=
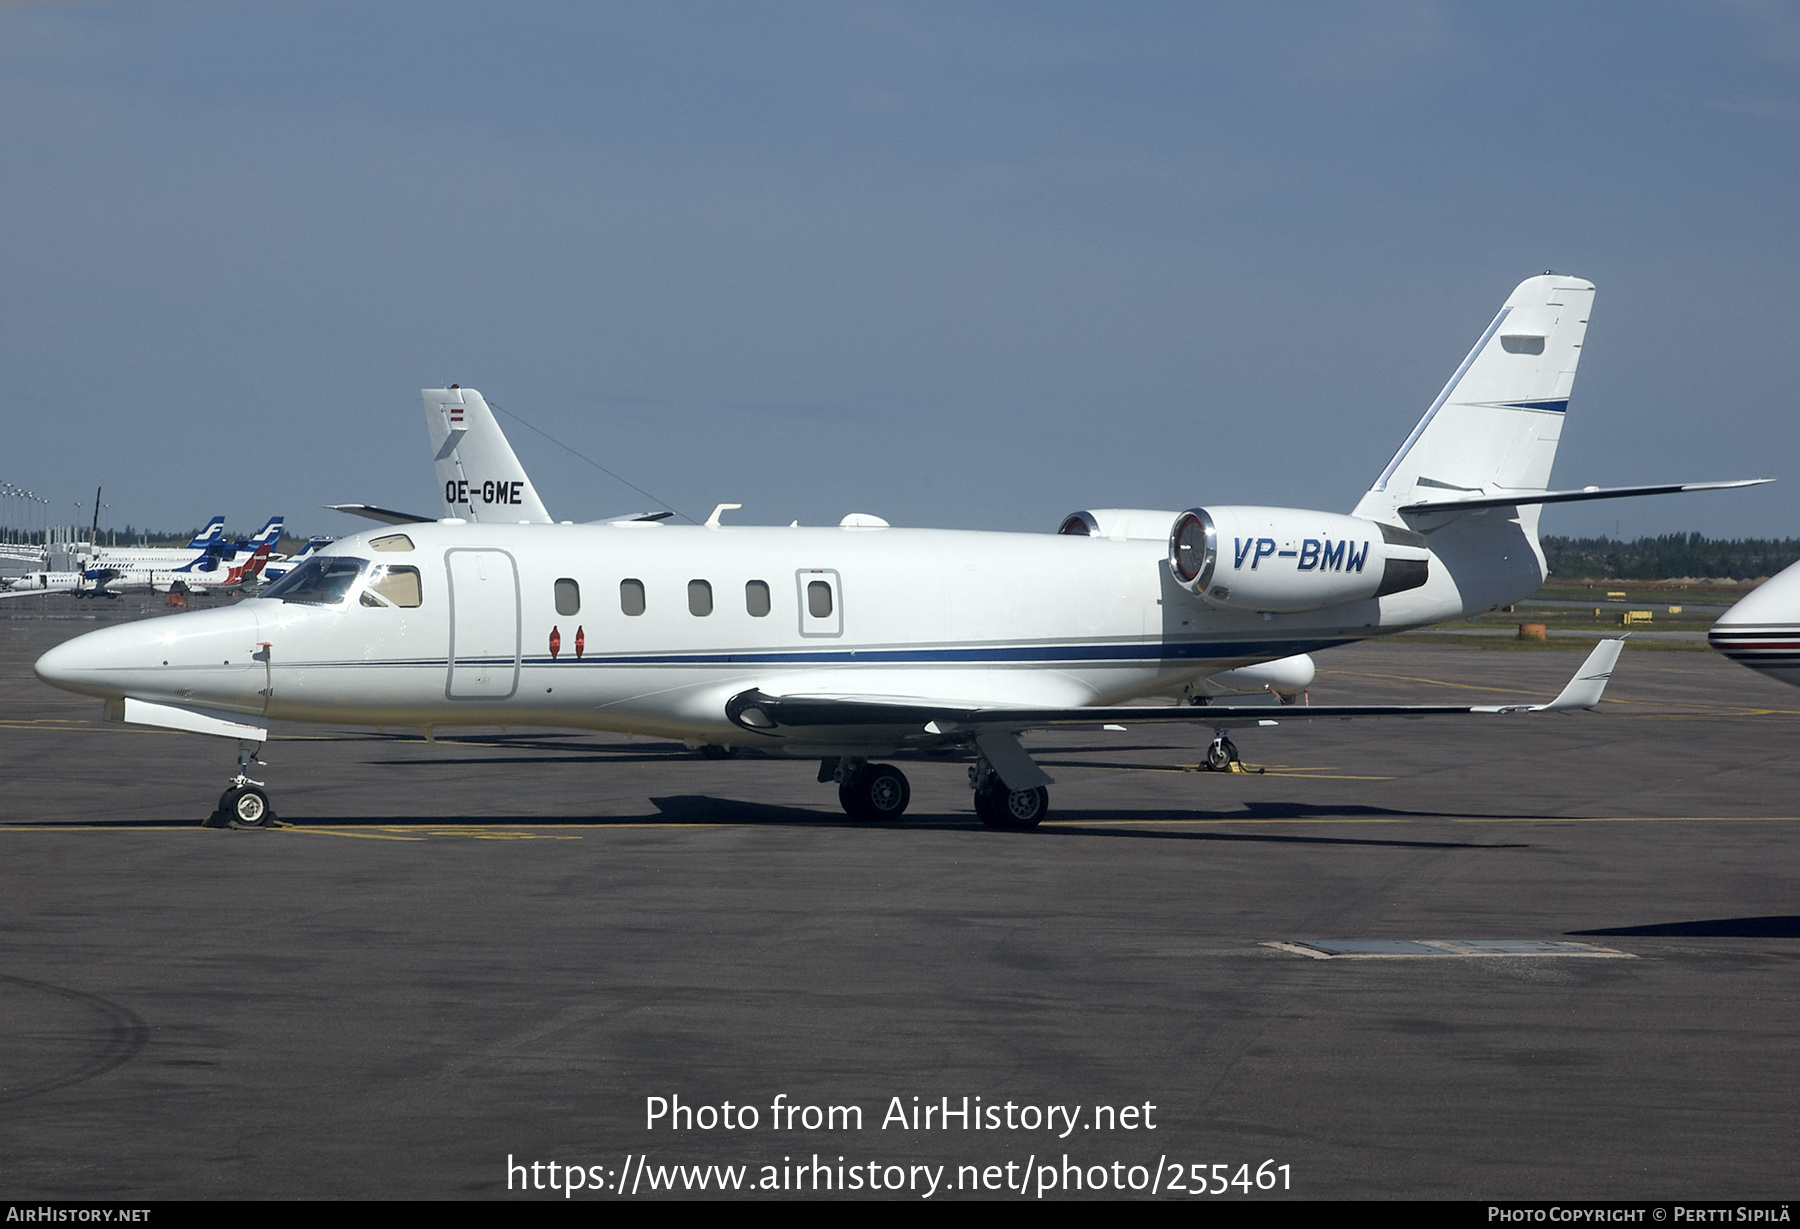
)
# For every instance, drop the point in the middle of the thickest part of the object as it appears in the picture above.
(1495, 426)
(211, 535)
(479, 478)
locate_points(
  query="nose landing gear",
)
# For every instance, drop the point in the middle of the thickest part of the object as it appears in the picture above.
(244, 804)
(1222, 754)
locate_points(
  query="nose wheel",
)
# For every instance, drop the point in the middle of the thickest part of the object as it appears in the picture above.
(245, 804)
(1222, 754)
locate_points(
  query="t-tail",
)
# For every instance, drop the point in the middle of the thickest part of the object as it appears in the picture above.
(1474, 474)
(1492, 431)
(478, 475)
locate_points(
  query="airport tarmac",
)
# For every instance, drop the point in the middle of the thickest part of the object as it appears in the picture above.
(504, 944)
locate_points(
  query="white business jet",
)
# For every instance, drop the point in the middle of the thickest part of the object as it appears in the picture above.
(845, 644)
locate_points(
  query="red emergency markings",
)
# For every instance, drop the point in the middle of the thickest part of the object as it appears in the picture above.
(555, 643)
(580, 643)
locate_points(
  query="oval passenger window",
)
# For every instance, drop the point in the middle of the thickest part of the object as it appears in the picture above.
(631, 596)
(568, 597)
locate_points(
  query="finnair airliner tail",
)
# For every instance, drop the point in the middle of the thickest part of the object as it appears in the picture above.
(213, 534)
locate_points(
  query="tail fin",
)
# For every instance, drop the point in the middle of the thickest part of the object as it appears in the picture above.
(269, 533)
(479, 476)
(214, 532)
(1495, 427)
(247, 572)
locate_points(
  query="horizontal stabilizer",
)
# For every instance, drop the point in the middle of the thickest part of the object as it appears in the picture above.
(385, 515)
(1518, 498)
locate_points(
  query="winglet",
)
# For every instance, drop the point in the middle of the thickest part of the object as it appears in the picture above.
(1583, 691)
(1589, 683)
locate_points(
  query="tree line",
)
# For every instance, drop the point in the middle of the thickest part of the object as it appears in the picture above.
(1669, 555)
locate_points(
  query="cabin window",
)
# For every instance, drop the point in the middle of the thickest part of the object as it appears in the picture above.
(631, 596)
(393, 541)
(756, 598)
(699, 598)
(399, 586)
(818, 599)
(568, 597)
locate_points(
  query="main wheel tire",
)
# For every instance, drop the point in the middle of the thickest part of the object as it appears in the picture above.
(712, 751)
(875, 792)
(1014, 809)
(1220, 755)
(246, 806)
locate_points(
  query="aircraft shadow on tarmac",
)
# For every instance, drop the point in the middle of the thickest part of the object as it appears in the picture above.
(683, 809)
(1714, 928)
(699, 808)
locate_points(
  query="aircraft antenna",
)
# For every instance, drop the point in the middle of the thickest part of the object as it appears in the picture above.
(493, 405)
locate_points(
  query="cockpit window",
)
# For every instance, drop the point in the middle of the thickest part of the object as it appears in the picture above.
(323, 580)
(393, 586)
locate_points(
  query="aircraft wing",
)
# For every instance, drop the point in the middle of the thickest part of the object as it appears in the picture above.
(845, 714)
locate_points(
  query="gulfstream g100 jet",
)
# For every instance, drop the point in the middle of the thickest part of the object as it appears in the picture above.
(842, 645)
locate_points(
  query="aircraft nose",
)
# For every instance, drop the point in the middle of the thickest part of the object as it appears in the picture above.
(180, 655)
(74, 666)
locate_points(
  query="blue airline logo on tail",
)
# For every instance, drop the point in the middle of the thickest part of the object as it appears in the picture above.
(215, 529)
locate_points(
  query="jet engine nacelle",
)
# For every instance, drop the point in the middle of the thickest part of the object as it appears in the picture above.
(1289, 559)
(1119, 523)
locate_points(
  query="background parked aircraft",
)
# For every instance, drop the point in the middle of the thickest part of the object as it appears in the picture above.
(1763, 630)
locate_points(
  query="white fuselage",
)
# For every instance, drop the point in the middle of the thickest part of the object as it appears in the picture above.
(1763, 630)
(979, 618)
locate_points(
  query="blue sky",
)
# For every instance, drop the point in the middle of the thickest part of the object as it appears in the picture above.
(957, 265)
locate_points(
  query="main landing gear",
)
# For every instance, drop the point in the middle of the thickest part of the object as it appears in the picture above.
(245, 804)
(880, 792)
(1015, 809)
(870, 791)
(1000, 807)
